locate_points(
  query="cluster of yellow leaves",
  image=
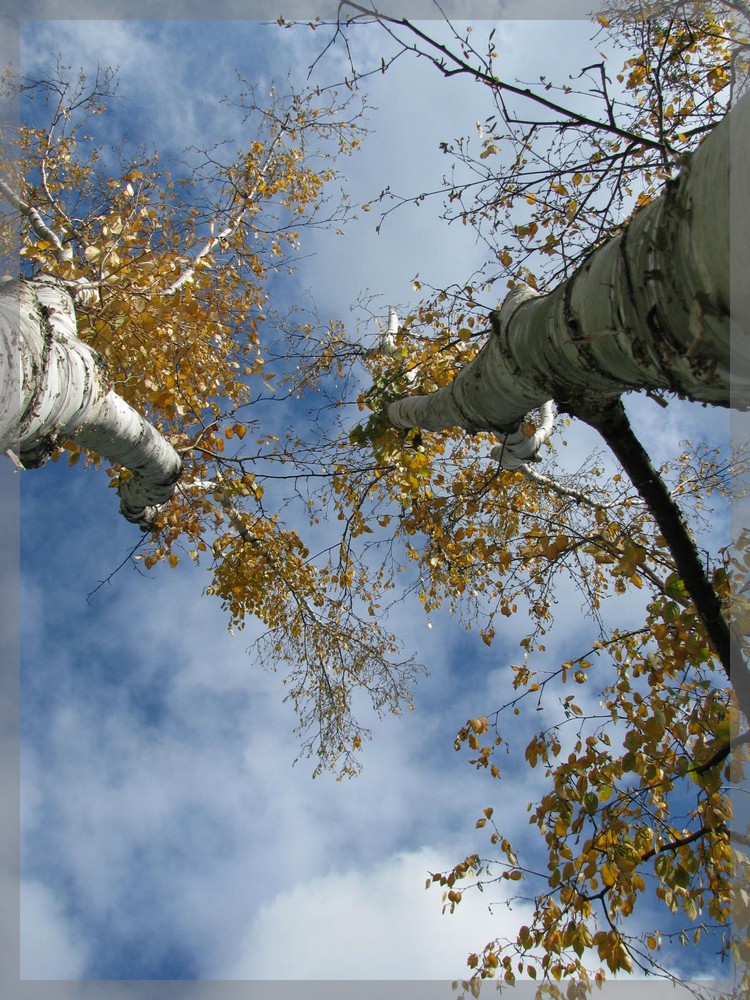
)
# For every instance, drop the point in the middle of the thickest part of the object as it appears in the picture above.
(331, 651)
(685, 62)
(639, 804)
(175, 304)
(174, 298)
(475, 534)
(610, 837)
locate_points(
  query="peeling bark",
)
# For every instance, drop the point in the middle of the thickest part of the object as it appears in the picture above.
(53, 389)
(648, 310)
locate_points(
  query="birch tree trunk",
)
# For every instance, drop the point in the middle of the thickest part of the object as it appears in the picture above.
(649, 310)
(53, 389)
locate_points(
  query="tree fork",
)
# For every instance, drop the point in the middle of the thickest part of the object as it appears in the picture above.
(614, 426)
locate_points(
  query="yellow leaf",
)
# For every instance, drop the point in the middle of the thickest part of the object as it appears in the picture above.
(609, 873)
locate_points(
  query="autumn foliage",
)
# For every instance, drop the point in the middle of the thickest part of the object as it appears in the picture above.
(171, 281)
(170, 278)
(649, 745)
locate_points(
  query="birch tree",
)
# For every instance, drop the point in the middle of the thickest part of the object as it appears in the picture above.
(583, 345)
(610, 226)
(649, 310)
(140, 332)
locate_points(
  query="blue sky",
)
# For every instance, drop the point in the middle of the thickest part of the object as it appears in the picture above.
(166, 834)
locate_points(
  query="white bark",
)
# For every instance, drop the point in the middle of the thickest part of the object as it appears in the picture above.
(649, 310)
(216, 489)
(517, 449)
(245, 205)
(53, 389)
(40, 227)
(388, 339)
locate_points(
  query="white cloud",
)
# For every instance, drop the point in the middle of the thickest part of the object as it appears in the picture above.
(372, 923)
(153, 825)
(171, 78)
(416, 109)
(49, 947)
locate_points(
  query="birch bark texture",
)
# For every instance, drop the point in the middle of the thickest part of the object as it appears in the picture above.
(648, 310)
(53, 388)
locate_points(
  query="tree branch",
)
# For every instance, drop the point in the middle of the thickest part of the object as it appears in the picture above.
(245, 200)
(613, 425)
(461, 66)
(40, 227)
